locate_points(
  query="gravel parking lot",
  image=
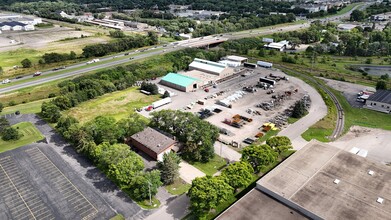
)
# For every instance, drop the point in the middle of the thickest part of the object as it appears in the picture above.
(348, 90)
(184, 100)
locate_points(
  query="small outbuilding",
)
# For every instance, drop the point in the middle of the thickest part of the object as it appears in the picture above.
(237, 59)
(152, 142)
(380, 101)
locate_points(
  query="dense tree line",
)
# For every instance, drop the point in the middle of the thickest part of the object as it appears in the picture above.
(101, 140)
(225, 23)
(198, 135)
(122, 44)
(88, 87)
(378, 8)
(58, 57)
(45, 9)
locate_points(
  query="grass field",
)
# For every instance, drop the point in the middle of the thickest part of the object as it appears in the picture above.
(210, 168)
(30, 94)
(28, 108)
(118, 104)
(178, 187)
(30, 134)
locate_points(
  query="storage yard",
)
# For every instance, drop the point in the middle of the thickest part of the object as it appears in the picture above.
(242, 104)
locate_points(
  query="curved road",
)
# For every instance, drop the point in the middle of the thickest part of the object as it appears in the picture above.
(340, 113)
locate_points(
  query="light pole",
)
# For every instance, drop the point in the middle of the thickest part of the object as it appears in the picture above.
(149, 190)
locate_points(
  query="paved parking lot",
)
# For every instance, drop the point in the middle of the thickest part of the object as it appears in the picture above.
(20, 198)
(34, 185)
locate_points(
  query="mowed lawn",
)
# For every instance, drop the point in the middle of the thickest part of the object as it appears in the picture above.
(30, 134)
(28, 108)
(118, 104)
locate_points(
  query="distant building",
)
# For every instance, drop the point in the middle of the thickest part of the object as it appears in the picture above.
(380, 101)
(280, 46)
(15, 26)
(152, 142)
(237, 59)
(346, 27)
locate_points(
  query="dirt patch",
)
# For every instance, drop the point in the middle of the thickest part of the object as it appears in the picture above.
(376, 141)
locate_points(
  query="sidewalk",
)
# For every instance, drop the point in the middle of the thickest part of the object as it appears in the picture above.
(226, 152)
(188, 173)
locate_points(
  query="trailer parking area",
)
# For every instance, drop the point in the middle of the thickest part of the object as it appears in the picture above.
(34, 187)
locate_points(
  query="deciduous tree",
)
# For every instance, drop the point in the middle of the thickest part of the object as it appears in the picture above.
(208, 192)
(238, 174)
(259, 156)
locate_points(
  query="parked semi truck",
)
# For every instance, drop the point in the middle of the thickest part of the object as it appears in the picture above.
(265, 64)
(162, 102)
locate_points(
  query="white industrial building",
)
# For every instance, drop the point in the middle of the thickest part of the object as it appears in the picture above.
(211, 67)
(280, 46)
(237, 59)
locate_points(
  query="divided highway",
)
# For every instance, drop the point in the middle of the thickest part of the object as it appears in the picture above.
(116, 59)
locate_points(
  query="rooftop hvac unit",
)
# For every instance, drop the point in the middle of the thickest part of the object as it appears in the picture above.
(336, 181)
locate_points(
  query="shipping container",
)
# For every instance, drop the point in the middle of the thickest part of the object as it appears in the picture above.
(265, 64)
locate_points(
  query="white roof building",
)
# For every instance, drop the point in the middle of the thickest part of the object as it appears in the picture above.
(281, 46)
(230, 63)
(237, 58)
(210, 67)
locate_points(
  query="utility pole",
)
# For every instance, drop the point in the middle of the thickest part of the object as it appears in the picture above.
(149, 189)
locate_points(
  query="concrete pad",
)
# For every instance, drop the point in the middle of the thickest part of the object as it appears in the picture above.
(188, 172)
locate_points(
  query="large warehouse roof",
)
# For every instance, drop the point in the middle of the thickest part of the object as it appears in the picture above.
(179, 79)
(208, 66)
(383, 96)
(330, 183)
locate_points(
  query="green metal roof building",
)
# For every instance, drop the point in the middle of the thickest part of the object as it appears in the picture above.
(180, 82)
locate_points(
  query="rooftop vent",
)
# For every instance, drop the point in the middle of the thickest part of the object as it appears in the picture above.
(336, 181)
(380, 200)
(371, 172)
(158, 145)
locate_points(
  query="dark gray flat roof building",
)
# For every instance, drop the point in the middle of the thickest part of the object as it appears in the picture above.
(380, 101)
(324, 182)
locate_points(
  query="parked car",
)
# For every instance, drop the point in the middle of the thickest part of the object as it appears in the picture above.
(248, 141)
(37, 74)
(6, 81)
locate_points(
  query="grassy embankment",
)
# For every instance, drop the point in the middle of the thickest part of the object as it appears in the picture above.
(119, 104)
(178, 187)
(29, 133)
(211, 167)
